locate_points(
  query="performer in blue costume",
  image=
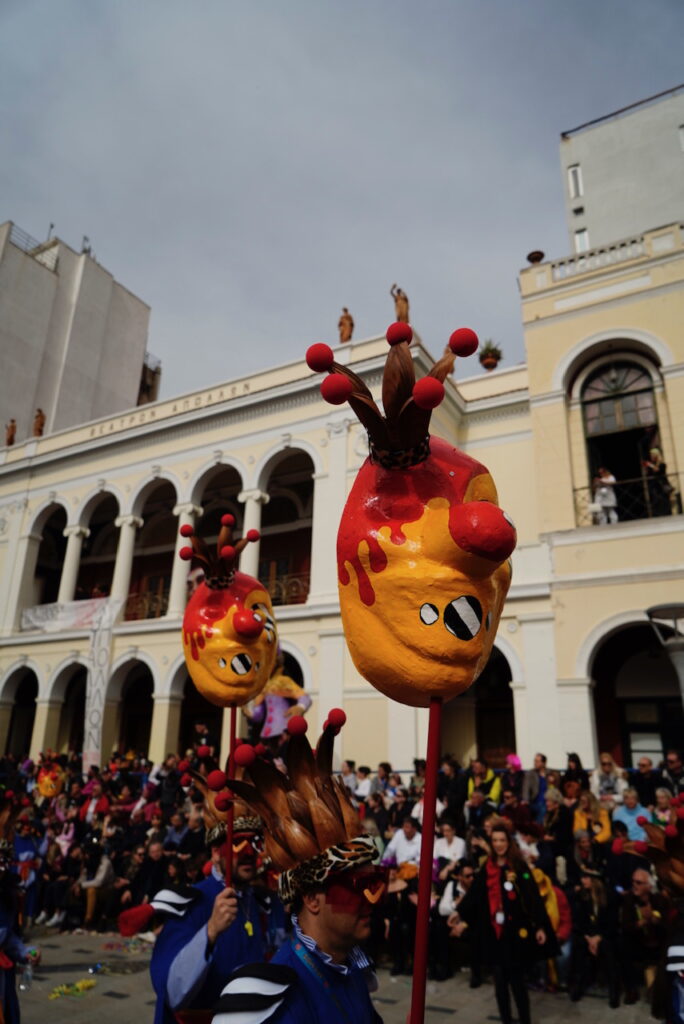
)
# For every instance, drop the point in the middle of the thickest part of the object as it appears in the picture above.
(217, 931)
(330, 880)
(12, 949)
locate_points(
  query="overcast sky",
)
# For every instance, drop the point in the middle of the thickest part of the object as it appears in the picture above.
(248, 167)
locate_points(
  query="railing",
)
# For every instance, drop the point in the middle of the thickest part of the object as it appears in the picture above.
(593, 259)
(46, 253)
(639, 498)
(289, 589)
(146, 606)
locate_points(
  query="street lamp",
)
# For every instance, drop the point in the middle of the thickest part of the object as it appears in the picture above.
(673, 645)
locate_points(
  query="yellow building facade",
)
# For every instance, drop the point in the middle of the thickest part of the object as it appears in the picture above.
(92, 591)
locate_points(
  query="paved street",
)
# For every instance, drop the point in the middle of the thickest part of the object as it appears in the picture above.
(124, 992)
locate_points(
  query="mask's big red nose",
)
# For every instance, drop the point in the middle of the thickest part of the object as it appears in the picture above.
(247, 624)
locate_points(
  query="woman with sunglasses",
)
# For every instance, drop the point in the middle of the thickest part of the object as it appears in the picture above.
(513, 929)
(608, 782)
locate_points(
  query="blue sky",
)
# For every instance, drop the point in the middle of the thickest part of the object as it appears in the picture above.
(248, 168)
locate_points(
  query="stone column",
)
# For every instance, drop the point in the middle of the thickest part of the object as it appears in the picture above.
(20, 591)
(540, 731)
(331, 675)
(330, 494)
(124, 557)
(165, 727)
(253, 500)
(5, 722)
(45, 726)
(72, 558)
(178, 590)
(578, 725)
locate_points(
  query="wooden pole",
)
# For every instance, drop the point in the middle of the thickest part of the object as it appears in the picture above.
(425, 870)
(231, 809)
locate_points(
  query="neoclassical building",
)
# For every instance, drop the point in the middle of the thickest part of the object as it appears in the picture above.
(92, 592)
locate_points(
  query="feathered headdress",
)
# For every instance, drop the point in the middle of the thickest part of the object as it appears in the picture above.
(219, 565)
(664, 848)
(399, 438)
(216, 805)
(311, 829)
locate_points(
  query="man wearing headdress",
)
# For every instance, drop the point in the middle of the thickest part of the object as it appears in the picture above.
(329, 879)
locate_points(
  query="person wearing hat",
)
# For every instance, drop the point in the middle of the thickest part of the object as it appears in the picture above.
(210, 928)
(329, 878)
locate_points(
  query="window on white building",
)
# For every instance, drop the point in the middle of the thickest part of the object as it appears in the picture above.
(582, 240)
(575, 181)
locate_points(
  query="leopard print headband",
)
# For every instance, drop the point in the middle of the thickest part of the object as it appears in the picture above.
(314, 873)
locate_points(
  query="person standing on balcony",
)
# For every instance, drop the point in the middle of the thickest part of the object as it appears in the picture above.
(604, 496)
(345, 325)
(659, 487)
(38, 423)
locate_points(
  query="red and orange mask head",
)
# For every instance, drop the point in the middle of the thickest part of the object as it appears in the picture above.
(50, 782)
(423, 549)
(229, 632)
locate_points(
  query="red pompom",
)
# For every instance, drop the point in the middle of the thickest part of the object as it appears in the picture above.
(464, 342)
(297, 725)
(9, 794)
(640, 847)
(671, 831)
(336, 389)
(320, 358)
(186, 554)
(204, 751)
(135, 920)
(246, 624)
(216, 780)
(337, 718)
(428, 393)
(260, 749)
(223, 802)
(25, 802)
(183, 766)
(680, 812)
(398, 332)
(186, 780)
(227, 519)
(642, 819)
(253, 535)
(206, 870)
(228, 552)
(245, 755)
(618, 846)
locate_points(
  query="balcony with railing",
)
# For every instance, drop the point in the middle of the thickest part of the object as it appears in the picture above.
(638, 498)
(45, 253)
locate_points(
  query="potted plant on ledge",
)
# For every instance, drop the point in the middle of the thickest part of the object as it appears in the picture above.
(490, 355)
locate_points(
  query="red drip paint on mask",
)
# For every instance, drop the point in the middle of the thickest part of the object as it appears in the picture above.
(394, 498)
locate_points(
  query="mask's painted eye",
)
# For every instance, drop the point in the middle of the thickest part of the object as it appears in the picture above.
(222, 662)
(463, 617)
(241, 664)
(428, 614)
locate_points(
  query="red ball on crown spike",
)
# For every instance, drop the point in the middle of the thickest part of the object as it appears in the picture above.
(297, 725)
(398, 332)
(640, 847)
(186, 554)
(228, 552)
(320, 358)
(186, 530)
(203, 751)
(216, 780)
(671, 831)
(206, 870)
(253, 535)
(337, 718)
(227, 519)
(223, 802)
(641, 820)
(245, 755)
(463, 342)
(186, 780)
(183, 766)
(428, 393)
(680, 813)
(260, 749)
(617, 847)
(336, 389)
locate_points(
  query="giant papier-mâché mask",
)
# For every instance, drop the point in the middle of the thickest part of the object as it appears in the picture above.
(423, 550)
(229, 632)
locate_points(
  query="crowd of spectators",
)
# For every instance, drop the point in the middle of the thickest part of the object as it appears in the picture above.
(112, 838)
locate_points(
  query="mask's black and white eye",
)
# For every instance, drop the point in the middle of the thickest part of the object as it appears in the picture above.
(428, 614)
(463, 617)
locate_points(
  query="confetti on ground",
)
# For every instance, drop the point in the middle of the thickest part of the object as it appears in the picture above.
(79, 988)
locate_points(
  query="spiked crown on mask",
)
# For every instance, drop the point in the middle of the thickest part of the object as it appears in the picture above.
(216, 805)
(311, 830)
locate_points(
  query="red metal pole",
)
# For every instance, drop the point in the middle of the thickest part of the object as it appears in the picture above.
(425, 869)
(231, 810)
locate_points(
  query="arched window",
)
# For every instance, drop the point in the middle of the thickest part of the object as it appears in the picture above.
(618, 397)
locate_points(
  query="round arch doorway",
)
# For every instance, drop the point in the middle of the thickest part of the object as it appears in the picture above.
(637, 702)
(481, 721)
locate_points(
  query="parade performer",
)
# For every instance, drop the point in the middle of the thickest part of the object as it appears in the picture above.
(210, 928)
(423, 557)
(329, 878)
(12, 950)
(279, 700)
